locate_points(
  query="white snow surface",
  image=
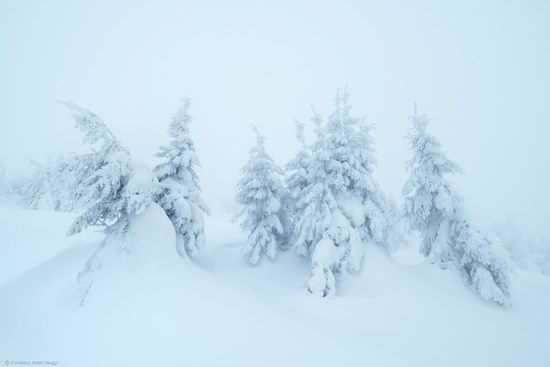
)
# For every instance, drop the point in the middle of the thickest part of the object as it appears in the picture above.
(150, 307)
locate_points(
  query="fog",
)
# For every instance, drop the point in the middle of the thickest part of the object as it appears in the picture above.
(481, 70)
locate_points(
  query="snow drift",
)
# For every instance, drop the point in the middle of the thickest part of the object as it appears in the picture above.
(149, 306)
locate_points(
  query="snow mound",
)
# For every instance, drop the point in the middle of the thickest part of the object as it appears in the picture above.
(149, 306)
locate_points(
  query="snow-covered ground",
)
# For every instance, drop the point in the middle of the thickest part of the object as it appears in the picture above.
(148, 307)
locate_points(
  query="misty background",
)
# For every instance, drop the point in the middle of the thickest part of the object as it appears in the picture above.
(481, 70)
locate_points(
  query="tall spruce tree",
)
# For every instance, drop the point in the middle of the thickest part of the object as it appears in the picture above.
(180, 194)
(430, 199)
(339, 205)
(263, 202)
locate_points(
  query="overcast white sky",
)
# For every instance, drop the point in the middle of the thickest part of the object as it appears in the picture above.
(480, 69)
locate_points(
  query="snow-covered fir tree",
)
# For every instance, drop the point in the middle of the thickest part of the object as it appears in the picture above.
(339, 205)
(180, 194)
(27, 188)
(263, 202)
(53, 184)
(38, 189)
(430, 199)
(433, 207)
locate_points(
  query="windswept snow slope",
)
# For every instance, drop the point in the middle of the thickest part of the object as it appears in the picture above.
(147, 307)
(29, 237)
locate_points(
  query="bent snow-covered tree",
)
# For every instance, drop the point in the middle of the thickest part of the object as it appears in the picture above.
(482, 260)
(434, 208)
(263, 203)
(338, 203)
(180, 194)
(113, 187)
